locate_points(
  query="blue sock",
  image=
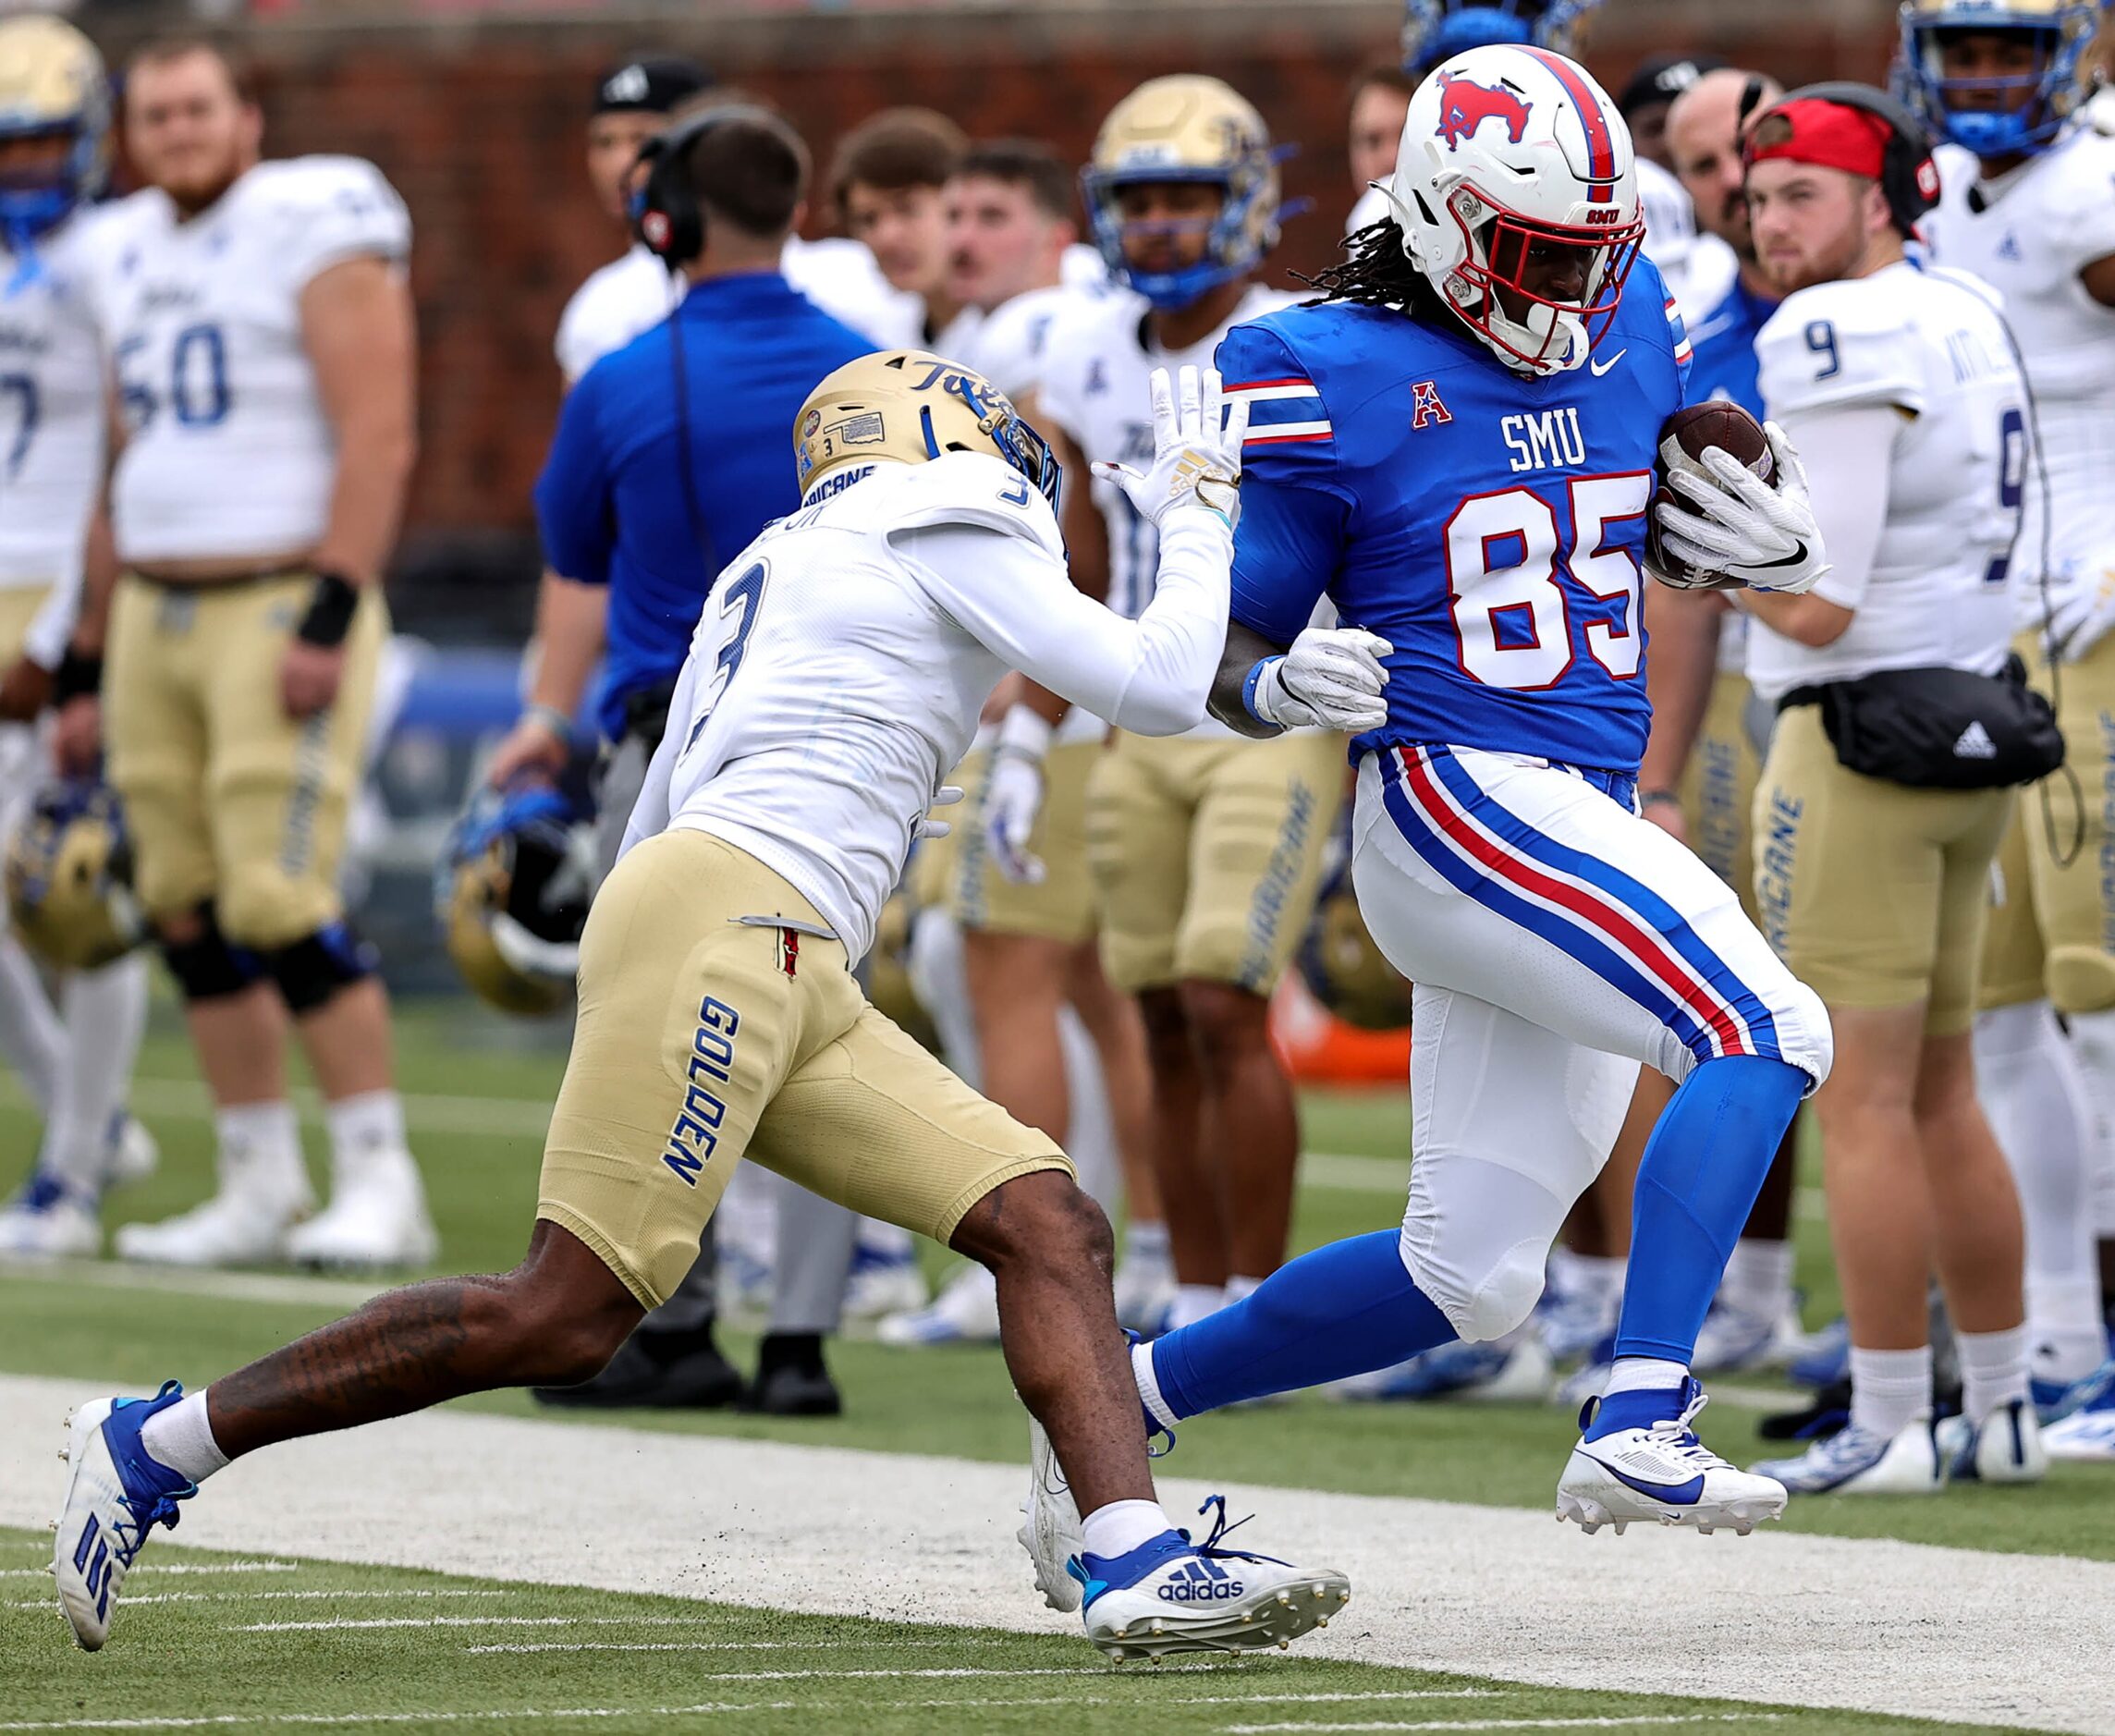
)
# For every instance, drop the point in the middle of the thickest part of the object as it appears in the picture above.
(1341, 1310)
(1702, 1169)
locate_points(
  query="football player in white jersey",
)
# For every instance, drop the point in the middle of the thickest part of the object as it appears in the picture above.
(76, 1057)
(2029, 206)
(260, 327)
(1898, 386)
(837, 671)
(1207, 849)
(1053, 1042)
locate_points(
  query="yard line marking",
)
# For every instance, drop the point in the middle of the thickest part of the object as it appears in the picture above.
(262, 1596)
(1639, 1721)
(249, 1287)
(223, 1720)
(160, 1567)
(352, 1623)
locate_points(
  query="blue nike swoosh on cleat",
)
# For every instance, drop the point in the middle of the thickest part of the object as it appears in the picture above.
(1673, 1494)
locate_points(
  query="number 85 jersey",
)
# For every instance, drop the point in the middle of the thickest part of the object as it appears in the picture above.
(228, 450)
(1489, 526)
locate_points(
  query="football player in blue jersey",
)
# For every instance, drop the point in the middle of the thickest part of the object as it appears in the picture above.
(1458, 443)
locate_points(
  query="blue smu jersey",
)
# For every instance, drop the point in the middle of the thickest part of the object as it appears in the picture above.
(1489, 526)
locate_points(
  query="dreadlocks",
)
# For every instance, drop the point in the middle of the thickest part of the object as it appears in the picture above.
(1376, 273)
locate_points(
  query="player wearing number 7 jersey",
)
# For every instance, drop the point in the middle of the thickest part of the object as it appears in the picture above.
(1458, 443)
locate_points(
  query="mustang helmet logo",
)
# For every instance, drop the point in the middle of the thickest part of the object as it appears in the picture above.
(1464, 105)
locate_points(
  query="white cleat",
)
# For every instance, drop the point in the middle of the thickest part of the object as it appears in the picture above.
(1052, 1533)
(1733, 1341)
(885, 1278)
(1859, 1461)
(130, 1153)
(1146, 1295)
(2006, 1447)
(1661, 1472)
(239, 1226)
(376, 1220)
(1171, 1595)
(966, 1312)
(48, 1221)
(115, 1495)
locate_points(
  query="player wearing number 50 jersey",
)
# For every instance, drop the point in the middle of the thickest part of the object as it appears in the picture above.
(260, 331)
(1458, 443)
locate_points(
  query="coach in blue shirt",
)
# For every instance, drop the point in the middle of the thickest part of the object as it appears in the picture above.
(671, 455)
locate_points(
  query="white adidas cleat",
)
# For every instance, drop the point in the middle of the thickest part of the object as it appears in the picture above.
(1660, 1471)
(116, 1495)
(966, 1312)
(1860, 1462)
(1171, 1595)
(2006, 1447)
(377, 1218)
(49, 1221)
(1051, 1533)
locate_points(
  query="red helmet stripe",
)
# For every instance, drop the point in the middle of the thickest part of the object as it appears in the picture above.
(1600, 144)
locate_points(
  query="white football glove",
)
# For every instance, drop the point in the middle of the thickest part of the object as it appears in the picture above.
(2081, 608)
(925, 825)
(1014, 794)
(1197, 441)
(1766, 537)
(1332, 675)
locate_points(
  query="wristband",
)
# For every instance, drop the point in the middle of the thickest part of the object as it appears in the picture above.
(1652, 796)
(1024, 733)
(1261, 672)
(553, 719)
(330, 610)
(76, 676)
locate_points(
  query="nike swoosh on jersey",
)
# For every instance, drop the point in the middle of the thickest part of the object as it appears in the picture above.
(1600, 369)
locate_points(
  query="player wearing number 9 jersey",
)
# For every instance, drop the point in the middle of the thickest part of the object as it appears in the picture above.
(1457, 444)
(260, 331)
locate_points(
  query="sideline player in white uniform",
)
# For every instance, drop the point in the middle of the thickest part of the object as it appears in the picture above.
(260, 327)
(1898, 385)
(76, 1058)
(837, 671)
(1207, 849)
(2029, 206)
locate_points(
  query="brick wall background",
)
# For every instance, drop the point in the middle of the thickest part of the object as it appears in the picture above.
(479, 124)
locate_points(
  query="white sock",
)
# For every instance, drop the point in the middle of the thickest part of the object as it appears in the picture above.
(1193, 1302)
(2031, 1087)
(1240, 1290)
(31, 1035)
(1121, 1526)
(261, 1148)
(1889, 1390)
(2093, 1043)
(181, 1438)
(1758, 1278)
(1149, 1387)
(104, 1012)
(1643, 1374)
(1993, 1369)
(1146, 1246)
(367, 1125)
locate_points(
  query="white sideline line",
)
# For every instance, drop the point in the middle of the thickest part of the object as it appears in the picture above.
(351, 1625)
(262, 1596)
(159, 1567)
(1526, 1723)
(185, 1100)
(243, 1287)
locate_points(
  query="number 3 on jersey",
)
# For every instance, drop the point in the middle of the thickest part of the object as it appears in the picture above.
(1510, 613)
(738, 602)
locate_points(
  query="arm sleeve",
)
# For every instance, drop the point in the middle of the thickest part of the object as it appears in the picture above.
(1823, 350)
(1848, 456)
(1296, 511)
(573, 507)
(349, 212)
(1150, 676)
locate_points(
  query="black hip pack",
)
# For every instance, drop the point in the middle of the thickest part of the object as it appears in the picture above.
(1938, 728)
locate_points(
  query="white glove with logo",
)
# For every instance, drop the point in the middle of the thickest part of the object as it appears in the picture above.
(2081, 607)
(1197, 441)
(1014, 794)
(925, 825)
(1332, 675)
(1766, 537)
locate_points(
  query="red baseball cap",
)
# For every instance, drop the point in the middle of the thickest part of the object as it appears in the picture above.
(1829, 135)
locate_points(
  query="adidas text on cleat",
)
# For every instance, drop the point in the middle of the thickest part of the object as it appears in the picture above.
(115, 1497)
(1171, 1595)
(1859, 1461)
(1052, 1532)
(1656, 1468)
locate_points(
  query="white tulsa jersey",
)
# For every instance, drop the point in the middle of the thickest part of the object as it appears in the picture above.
(844, 655)
(2036, 230)
(227, 451)
(51, 419)
(1927, 348)
(1008, 347)
(634, 293)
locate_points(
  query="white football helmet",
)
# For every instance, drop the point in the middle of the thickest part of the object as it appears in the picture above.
(1513, 156)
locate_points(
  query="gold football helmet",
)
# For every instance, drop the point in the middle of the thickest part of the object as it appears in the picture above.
(68, 874)
(1346, 971)
(1997, 115)
(1187, 127)
(51, 86)
(908, 405)
(511, 891)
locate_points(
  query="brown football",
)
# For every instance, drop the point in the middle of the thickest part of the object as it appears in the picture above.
(1700, 426)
